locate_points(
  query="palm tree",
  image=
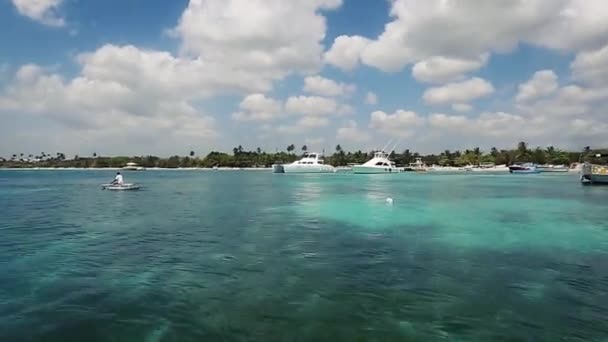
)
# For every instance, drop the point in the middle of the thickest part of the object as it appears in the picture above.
(258, 150)
(304, 148)
(586, 151)
(235, 151)
(494, 152)
(338, 148)
(522, 151)
(192, 153)
(94, 154)
(477, 155)
(290, 148)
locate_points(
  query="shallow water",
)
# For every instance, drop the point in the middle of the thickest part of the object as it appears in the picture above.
(245, 255)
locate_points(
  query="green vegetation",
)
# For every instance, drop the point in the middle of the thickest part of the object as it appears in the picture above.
(258, 158)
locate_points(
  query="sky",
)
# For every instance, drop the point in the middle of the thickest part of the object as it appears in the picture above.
(141, 77)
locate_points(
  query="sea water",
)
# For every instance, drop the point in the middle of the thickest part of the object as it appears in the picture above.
(256, 256)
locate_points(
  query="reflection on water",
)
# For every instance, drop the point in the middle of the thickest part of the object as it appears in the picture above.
(256, 256)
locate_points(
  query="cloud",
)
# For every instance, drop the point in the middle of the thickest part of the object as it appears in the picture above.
(462, 107)
(440, 69)
(115, 97)
(257, 107)
(318, 85)
(466, 29)
(311, 105)
(318, 141)
(313, 122)
(345, 53)
(42, 11)
(542, 83)
(400, 124)
(591, 67)
(268, 39)
(371, 98)
(303, 125)
(350, 132)
(459, 92)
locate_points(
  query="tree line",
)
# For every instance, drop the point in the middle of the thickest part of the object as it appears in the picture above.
(241, 158)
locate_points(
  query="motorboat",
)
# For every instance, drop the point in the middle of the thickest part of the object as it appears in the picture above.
(491, 167)
(119, 187)
(418, 165)
(378, 164)
(524, 168)
(310, 163)
(594, 174)
(133, 167)
(468, 167)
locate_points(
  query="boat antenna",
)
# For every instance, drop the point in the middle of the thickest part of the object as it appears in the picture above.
(395, 146)
(385, 146)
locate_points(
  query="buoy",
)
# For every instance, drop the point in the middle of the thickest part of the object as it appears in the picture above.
(389, 201)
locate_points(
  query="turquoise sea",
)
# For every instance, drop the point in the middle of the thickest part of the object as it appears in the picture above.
(256, 256)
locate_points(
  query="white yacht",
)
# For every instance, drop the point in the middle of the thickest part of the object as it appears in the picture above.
(133, 167)
(418, 165)
(378, 164)
(310, 163)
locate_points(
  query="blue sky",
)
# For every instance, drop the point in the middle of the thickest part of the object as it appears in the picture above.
(165, 77)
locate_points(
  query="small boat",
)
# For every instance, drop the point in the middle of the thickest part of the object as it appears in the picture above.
(378, 164)
(417, 166)
(310, 163)
(278, 168)
(576, 167)
(468, 167)
(119, 187)
(524, 168)
(553, 168)
(594, 174)
(133, 167)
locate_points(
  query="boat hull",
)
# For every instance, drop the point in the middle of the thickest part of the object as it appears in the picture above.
(523, 169)
(301, 169)
(358, 169)
(124, 187)
(594, 174)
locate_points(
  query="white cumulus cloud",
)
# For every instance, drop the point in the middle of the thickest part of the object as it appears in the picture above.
(350, 132)
(43, 11)
(401, 123)
(258, 107)
(440, 69)
(459, 92)
(266, 38)
(466, 29)
(311, 105)
(591, 66)
(462, 107)
(322, 86)
(542, 83)
(345, 53)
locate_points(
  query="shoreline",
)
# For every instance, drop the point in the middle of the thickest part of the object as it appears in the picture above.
(134, 171)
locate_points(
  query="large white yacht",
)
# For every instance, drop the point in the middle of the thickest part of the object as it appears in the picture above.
(310, 163)
(378, 164)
